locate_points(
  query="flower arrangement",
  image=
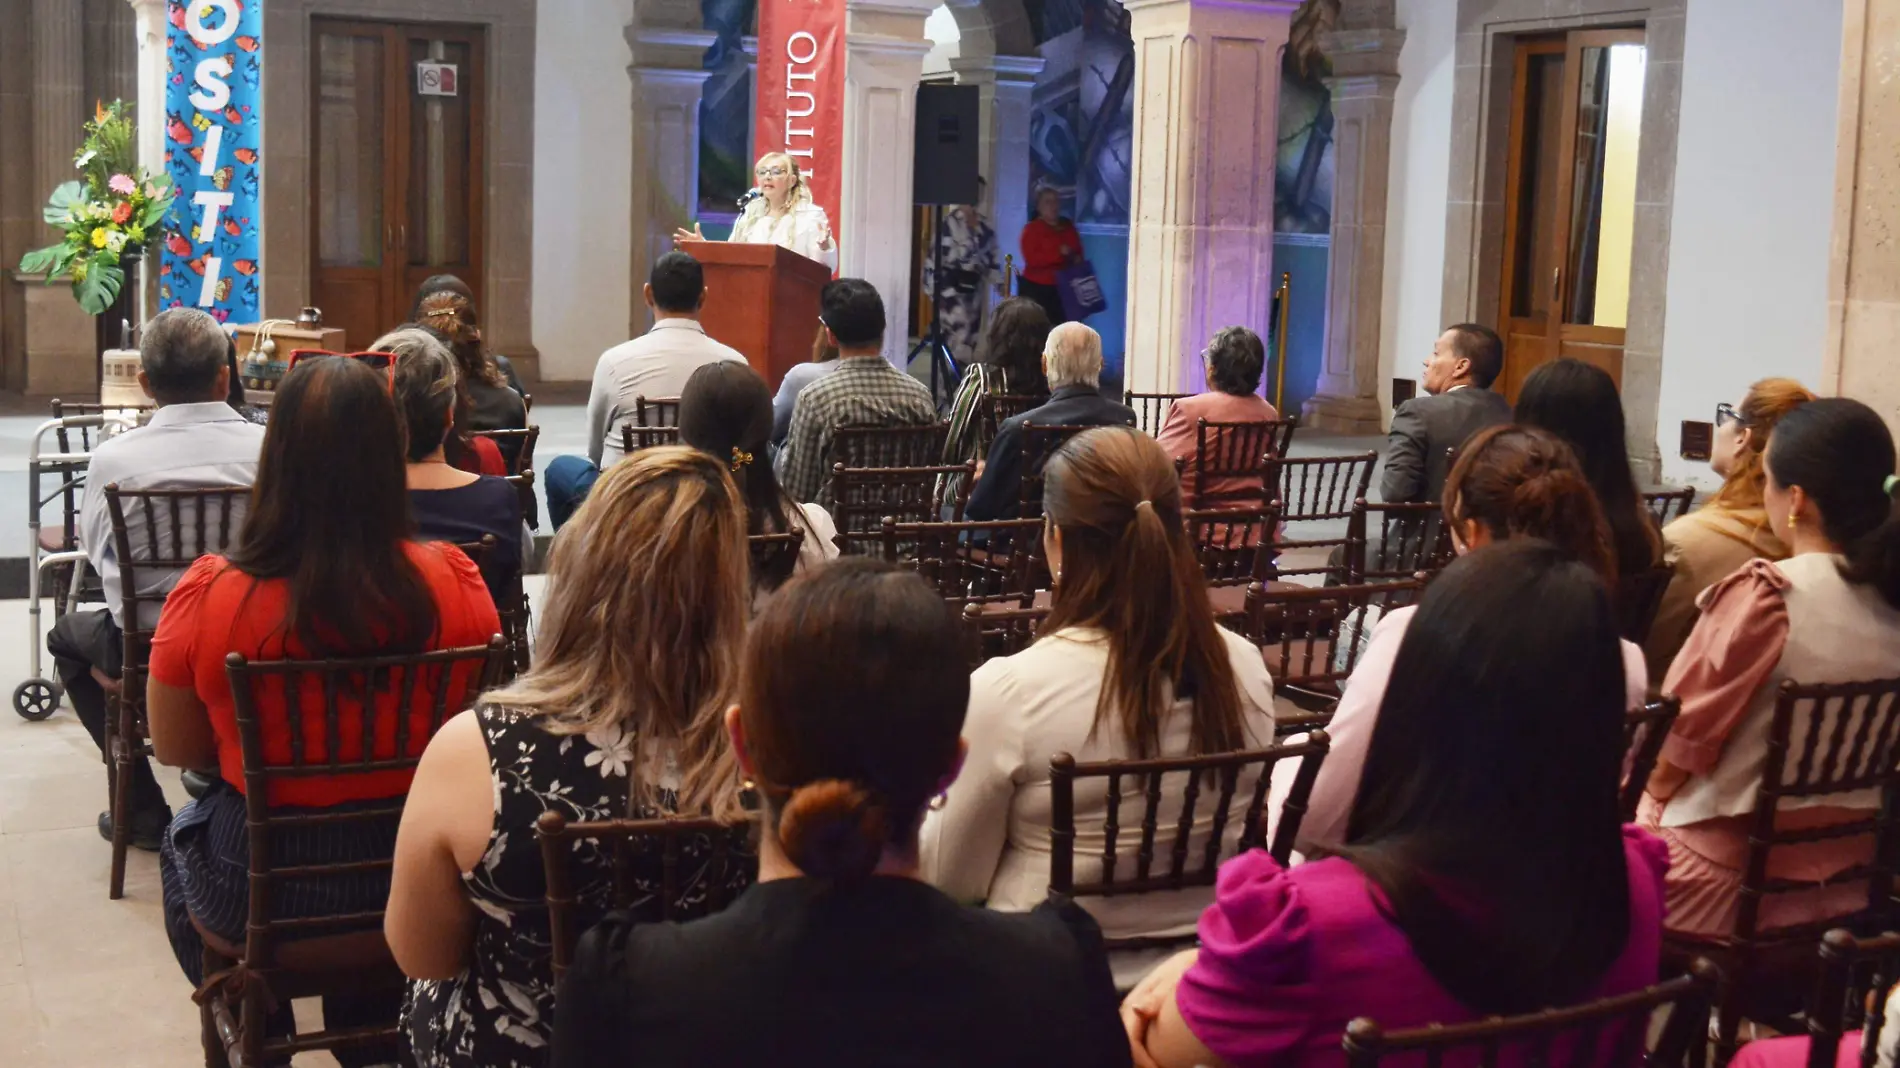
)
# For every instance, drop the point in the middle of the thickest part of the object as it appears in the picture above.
(107, 215)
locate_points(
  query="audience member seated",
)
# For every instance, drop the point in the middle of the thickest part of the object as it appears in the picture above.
(494, 402)
(1457, 379)
(449, 504)
(864, 390)
(1235, 359)
(448, 283)
(194, 441)
(841, 955)
(1578, 402)
(1128, 665)
(1484, 872)
(619, 716)
(1509, 482)
(1732, 527)
(824, 360)
(655, 366)
(323, 568)
(1072, 361)
(1830, 612)
(460, 449)
(1008, 361)
(726, 413)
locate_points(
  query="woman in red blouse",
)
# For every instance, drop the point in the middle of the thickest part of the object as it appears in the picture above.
(1050, 243)
(323, 567)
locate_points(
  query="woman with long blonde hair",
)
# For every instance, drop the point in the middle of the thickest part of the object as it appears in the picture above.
(619, 716)
(1708, 544)
(1129, 664)
(782, 214)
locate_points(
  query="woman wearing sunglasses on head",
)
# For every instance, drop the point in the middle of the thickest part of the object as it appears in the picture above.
(1731, 528)
(783, 214)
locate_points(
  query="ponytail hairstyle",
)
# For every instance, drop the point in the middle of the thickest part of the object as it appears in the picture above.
(1128, 569)
(445, 305)
(1841, 454)
(424, 382)
(1519, 481)
(846, 758)
(1767, 401)
(726, 412)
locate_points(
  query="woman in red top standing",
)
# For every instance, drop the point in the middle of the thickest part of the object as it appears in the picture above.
(1050, 244)
(324, 567)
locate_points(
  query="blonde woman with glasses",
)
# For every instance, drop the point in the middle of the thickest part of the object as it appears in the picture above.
(783, 214)
(620, 715)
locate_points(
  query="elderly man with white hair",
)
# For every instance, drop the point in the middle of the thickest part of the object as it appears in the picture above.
(1072, 361)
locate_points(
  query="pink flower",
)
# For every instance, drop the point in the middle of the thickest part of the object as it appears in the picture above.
(123, 185)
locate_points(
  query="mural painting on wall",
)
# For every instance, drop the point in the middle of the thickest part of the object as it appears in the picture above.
(725, 126)
(1082, 128)
(1303, 177)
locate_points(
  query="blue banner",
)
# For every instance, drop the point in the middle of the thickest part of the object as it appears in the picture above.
(213, 146)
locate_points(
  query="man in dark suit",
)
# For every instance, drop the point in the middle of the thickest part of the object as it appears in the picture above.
(1427, 430)
(1072, 361)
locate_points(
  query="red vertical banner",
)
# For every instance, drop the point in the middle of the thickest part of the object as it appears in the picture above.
(801, 93)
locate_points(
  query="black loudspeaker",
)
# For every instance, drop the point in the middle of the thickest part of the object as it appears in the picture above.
(946, 145)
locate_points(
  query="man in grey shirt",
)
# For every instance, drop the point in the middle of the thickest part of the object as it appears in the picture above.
(1427, 431)
(655, 365)
(195, 440)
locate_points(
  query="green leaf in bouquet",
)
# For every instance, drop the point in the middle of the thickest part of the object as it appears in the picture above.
(154, 213)
(60, 205)
(63, 257)
(100, 288)
(40, 260)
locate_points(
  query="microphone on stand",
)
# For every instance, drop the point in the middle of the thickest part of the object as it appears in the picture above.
(751, 195)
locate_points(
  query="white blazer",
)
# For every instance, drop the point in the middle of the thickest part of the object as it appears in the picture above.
(800, 230)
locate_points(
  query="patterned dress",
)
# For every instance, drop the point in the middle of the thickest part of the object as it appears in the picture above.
(969, 270)
(499, 1013)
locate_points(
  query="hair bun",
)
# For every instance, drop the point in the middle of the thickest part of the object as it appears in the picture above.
(833, 829)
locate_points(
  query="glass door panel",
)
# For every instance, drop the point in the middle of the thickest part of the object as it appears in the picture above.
(349, 150)
(1603, 194)
(439, 154)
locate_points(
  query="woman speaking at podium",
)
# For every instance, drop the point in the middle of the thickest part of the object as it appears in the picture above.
(781, 213)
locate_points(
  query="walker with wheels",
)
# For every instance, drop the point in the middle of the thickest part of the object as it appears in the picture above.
(39, 697)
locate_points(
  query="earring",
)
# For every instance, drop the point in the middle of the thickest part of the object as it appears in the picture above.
(937, 802)
(1793, 519)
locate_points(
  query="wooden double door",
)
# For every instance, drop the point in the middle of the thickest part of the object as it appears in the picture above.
(397, 167)
(1570, 198)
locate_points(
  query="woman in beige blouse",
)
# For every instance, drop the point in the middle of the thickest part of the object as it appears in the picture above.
(1731, 529)
(1129, 630)
(783, 214)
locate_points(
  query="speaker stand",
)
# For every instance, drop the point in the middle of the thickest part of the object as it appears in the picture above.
(943, 366)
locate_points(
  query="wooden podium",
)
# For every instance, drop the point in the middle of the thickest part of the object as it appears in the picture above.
(761, 300)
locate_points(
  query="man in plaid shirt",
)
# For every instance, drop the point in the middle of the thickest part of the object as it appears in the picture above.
(865, 390)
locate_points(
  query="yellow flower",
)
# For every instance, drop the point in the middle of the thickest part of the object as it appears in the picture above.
(99, 237)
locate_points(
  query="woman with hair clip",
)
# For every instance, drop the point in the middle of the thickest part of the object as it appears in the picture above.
(1578, 402)
(618, 716)
(1509, 482)
(462, 450)
(1008, 361)
(726, 413)
(1830, 612)
(841, 955)
(1730, 529)
(450, 504)
(474, 358)
(1129, 664)
(783, 214)
(324, 567)
(1485, 871)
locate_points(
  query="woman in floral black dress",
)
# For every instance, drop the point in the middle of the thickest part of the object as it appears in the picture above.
(620, 714)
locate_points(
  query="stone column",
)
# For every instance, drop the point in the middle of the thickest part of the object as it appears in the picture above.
(884, 60)
(1200, 243)
(60, 352)
(1365, 55)
(1863, 300)
(1005, 87)
(669, 79)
